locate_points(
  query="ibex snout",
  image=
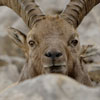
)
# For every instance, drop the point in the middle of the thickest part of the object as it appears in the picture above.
(53, 54)
(54, 60)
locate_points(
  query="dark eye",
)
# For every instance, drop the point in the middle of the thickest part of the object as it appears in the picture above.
(31, 43)
(74, 42)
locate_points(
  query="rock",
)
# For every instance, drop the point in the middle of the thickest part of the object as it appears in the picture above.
(52, 6)
(17, 61)
(10, 68)
(50, 87)
(8, 75)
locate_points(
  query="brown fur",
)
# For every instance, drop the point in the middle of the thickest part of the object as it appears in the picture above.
(53, 33)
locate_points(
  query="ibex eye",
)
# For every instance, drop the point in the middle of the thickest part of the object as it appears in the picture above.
(74, 42)
(31, 43)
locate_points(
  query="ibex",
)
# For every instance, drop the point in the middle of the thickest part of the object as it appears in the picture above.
(52, 45)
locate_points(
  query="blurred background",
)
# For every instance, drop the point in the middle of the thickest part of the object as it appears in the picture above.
(11, 57)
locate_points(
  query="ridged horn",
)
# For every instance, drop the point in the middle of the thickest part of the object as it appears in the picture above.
(76, 10)
(27, 9)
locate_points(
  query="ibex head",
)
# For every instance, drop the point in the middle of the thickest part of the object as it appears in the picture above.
(52, 45)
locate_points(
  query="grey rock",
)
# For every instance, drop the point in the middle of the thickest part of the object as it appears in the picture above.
(8, 75)
(51, 87)
(52, 6)
(17, 61)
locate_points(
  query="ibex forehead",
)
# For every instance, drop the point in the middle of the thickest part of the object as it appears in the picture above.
(52, 26)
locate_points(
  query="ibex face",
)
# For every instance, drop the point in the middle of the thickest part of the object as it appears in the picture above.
(52, 43)
(52, 46)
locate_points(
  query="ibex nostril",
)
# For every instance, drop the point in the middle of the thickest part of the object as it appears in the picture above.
(53, 54)
(58, 54)
(48, 54)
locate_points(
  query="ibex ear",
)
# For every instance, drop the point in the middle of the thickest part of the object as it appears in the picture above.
(18, 37)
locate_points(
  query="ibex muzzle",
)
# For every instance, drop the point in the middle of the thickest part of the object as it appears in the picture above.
(54, 59)
(52, 45)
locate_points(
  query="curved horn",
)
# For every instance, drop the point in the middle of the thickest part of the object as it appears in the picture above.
(76, 10)
(27, 9)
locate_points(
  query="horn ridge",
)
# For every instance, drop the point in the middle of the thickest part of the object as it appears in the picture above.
(25, 9)
(76, 10)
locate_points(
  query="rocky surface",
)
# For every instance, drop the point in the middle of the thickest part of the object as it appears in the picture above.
(50, 87)
(10, 68)
(8, 75)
